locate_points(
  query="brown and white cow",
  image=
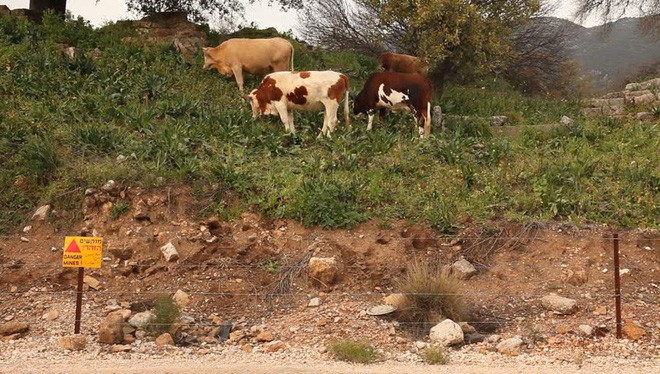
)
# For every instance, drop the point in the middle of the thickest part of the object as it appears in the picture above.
(401, 63)
(254, 56)
(281, 92)
(396, 91)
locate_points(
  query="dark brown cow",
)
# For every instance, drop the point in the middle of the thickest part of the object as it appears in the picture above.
(401, 63)
(395, 91)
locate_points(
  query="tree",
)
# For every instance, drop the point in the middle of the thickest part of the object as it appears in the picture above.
(201, 10)
(459, 38)
(613, 9)
(40, 6)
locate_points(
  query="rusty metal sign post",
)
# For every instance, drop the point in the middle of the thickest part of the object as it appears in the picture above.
(81, 252)
(617, 285)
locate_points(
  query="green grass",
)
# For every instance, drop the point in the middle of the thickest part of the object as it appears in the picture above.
(435, 355)
(119, 209)
(353, 351)
(63, 123)
(166, 315)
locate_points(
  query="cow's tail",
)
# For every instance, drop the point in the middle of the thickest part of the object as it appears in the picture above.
(346, 112)
(292, 53)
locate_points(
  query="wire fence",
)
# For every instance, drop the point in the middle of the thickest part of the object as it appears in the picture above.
(267, 298)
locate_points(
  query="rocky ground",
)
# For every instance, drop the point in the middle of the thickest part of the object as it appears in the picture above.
(269, 295)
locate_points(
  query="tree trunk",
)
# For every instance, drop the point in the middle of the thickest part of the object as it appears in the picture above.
(40, 6)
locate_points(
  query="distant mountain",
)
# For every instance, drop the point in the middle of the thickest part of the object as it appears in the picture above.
(611, 52)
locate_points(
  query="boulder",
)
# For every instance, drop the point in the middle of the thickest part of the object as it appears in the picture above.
(42, 213)
(169, 252)
(645, 116)
(498, 120)
(181, 299)
(74, 342)
(437, 116)
(122, 253)
(111, 328)
(92, 282)
(274, 346)
(399, 300)
(463, 269)
(632, 332)
(164, 339)
(11, 328)
(121, 348)
(141, 320)
(586, 330)
(559, 304)
(644, 99)
(314, 302)
(566, 121)
(265, 336)
(510, 346)
(446, 333)
(323, 270)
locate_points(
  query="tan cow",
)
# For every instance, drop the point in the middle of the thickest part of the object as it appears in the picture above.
(254, 56)
(401, 63)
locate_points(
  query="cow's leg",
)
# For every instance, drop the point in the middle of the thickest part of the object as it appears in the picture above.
(371, 120)
(291, 127)
(330, 117)
(284, 112)
(238, 74)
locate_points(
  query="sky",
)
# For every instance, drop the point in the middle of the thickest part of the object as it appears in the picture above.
(103, 11)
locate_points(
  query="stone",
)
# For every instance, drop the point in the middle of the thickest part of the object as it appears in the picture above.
(632, 332)
(92, 282)
(510, 346)
(446, 333)
(323, 270)
(559, 304)
(498, 120)
(437, 117)
(474, 337)
(463, 269)
(577, 277)
(563, 329)
(234, 336)
(274, 346)
(121, 348)
(397, 299)
(600, 311)
(74, 342)
(644, 99)
(467, 328)
(264, 336)
(566, 121)
(586, 330)
(169, 252)
(645, 116)
(42, 213)
(111, 328)
(51, 315)
(11, 328)
(128, 339)
(181, 298)
(109, 186)
(314, 302)
(122, 253)
(246, 348)
(141, 320)
(164, 339)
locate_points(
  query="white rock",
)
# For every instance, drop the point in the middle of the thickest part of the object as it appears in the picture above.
(27, 228)
(463, 269)
(586, 330)
(509, 346)
(41, 213)
(109, 186)
(558, 304)
(169, 252)
(181, 298)
(566, 121)
(141, 320)
(314, 302)
(446, 333)
(624, 271)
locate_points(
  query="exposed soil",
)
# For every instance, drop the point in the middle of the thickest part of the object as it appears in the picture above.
(252, 271)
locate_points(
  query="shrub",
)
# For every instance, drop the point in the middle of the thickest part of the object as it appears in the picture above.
(119, 209)
(435, 355)
(166, 312)
(353, 351)
(430, 295)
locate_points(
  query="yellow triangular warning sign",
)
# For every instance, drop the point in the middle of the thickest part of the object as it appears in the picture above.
(73, 247)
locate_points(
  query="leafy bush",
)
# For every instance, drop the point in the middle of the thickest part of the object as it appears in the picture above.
(166, 314)
(435, 355)
(353, 351)
(119, 209)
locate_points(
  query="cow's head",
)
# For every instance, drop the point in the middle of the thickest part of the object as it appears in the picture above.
(214, 60)
(360, 103)
(253, 103)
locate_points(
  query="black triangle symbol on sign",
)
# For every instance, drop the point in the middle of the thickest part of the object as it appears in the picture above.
(73, 247)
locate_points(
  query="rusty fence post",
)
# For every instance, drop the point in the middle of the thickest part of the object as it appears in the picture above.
(617, 285)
